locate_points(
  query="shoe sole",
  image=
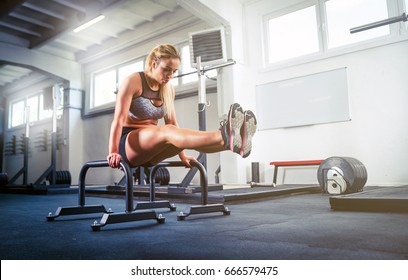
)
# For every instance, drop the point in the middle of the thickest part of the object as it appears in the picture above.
(248, 131)
(235, 120)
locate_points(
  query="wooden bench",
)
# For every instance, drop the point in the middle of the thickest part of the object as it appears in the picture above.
(277, 164)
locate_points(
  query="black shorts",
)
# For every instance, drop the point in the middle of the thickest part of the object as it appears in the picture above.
(122, 143)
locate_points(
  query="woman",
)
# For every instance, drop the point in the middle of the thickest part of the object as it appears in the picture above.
(145, 97)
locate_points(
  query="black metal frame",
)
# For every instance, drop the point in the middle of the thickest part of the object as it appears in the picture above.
(139, 212)
(190, 210)
(129, 215)
(24, 170)
(51, 170)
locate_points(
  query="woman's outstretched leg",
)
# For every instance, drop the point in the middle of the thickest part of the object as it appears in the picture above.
(156, 143)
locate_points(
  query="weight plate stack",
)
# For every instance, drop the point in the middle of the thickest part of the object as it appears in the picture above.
(162, 176)
(63, 177)
(354, 173)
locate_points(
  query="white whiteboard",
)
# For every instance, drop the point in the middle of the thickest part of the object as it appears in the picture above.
(312, 99)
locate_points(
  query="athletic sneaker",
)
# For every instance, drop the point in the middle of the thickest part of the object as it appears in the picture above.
(231, 128)
(248, 130)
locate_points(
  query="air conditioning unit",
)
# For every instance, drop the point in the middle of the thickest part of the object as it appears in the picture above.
(209, 45)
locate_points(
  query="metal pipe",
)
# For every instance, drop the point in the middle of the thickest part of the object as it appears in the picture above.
(376, 24)
(228, 63)
(26, 145)
(201, 83)
(217, 174)
(27, 121)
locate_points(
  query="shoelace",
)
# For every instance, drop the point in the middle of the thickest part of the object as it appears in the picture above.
(223, 121)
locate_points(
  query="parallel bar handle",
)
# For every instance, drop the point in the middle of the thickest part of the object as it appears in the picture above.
(104, 163)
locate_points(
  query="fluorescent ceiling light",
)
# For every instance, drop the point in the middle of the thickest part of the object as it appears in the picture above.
(89, 23)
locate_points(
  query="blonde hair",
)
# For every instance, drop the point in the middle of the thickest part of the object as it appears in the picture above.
(166, 92)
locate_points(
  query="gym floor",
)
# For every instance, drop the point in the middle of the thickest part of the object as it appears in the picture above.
(299, 226)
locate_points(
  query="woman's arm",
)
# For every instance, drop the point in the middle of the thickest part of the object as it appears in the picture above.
(123, 99)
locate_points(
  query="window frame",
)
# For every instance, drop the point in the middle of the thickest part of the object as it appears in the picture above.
(181, 88)
(91, 110)
(398, 33)
(40, 111)
(280, 13)
(11, 113)
(91, 100)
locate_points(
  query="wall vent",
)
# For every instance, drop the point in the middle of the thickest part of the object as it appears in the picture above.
(209, 45)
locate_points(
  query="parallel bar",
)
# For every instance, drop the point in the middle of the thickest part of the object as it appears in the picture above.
(104, 163)
(191, 173)
(198, 165)
(129, 215)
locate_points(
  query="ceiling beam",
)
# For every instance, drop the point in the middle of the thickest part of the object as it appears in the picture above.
(20, 29)
(8, 6)
(72, 20)
(70, 44)
(90, 39)
(202, 11)
(164, 5)
(161, 26)
(31, 20)
(43, 10)
(71, 5)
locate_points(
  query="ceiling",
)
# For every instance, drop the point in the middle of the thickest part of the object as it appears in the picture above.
(47, 26)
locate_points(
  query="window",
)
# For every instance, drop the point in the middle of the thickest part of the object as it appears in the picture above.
(104, 88)
(17, 114)
(293, 35)
(106, 83)
(345, 14)
(321, 27)
(32, 103)
(186, 66)
(17, 111)
(126, 70)
(405, 10)
(47, 113)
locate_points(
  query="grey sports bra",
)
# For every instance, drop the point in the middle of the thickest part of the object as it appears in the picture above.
(142, 107)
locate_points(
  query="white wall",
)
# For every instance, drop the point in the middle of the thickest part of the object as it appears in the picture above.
(377, 133)
(377, 99)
